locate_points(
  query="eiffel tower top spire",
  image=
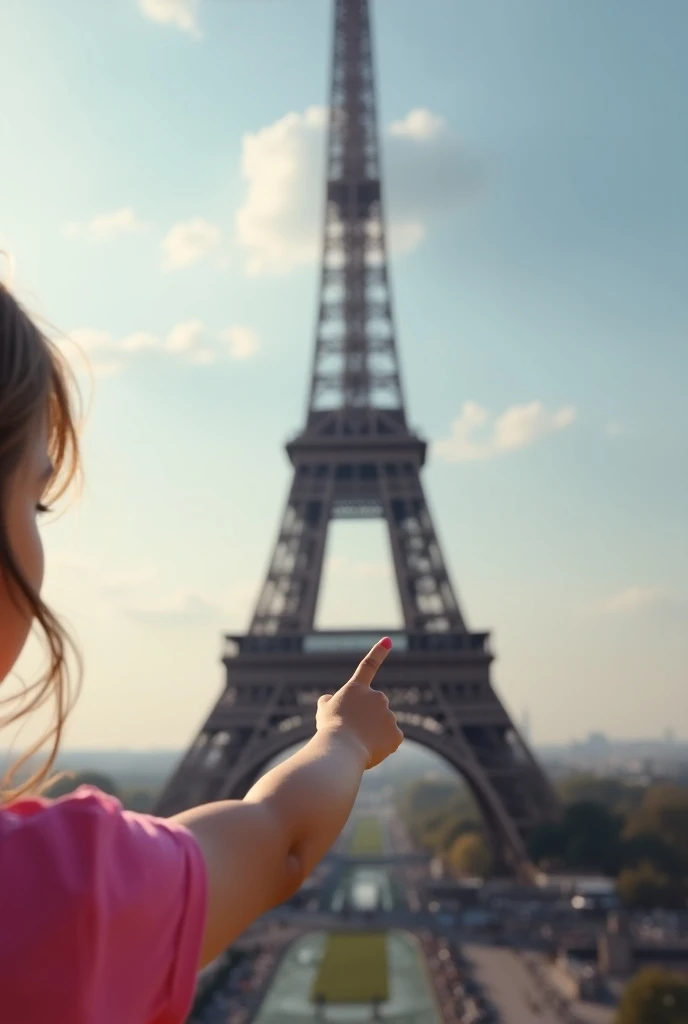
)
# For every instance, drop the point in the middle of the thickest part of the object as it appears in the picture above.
(355, 457)
(355, 366)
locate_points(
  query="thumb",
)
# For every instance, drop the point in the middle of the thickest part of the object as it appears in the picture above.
(324, 699)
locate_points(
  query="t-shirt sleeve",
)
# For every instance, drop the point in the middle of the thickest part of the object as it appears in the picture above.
(120, 897)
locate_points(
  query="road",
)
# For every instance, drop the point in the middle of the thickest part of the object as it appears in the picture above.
(509, 987)
(520, 998)
(583, 1012)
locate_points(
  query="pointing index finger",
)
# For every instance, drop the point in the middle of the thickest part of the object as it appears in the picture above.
(365, 673)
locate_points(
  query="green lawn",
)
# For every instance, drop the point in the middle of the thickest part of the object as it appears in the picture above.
(366, 838)
(353, 969)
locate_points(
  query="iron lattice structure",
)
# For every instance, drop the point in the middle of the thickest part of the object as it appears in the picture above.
(357, 458)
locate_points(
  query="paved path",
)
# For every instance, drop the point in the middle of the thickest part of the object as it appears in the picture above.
(524, 996)
(509, 987)
(583, 1012)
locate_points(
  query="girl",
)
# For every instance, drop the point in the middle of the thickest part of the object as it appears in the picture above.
(105, 915)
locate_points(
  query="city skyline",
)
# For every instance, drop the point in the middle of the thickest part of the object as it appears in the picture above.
(540, 228)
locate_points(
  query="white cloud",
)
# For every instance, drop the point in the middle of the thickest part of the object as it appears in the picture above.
(92, 350)
(242, 342)
(106, 226)
(191, 341)
(105, 355)
(107, 368)
(276, 225)
(517, 427)
(405, 236)
(136, 592)
(123, 583)
(183, 608)
(185, 336)
(189, 243)
(180, 13)
(90, 339)
(279, 223)
(233, 608)
(418, 124)
(139, 341)
(634, 598)
(74, 563)
(96, 587)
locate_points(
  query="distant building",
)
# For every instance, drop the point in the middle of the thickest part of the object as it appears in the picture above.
(619, 949)
(596, 745)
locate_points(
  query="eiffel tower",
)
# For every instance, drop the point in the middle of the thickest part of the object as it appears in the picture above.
(356, 457)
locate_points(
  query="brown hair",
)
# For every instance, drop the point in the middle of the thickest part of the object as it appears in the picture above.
(35, 381)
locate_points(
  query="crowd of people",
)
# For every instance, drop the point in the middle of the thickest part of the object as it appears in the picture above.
(230, 990)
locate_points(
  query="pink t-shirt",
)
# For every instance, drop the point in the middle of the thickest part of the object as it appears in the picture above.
(101, 913)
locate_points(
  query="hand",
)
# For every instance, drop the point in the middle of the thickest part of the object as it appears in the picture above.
(361, 712)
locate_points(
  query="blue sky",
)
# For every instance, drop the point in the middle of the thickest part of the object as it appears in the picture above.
(160, 193)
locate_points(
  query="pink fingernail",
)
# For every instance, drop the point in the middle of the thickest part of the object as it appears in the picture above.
(386, 643)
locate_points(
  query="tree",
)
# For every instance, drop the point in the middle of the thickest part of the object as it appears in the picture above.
(436, 812)
(610, 793)
(587, 838)
(547, 843)
(654, 996)
(426, 795)
(593, 838)
(645, 887)
(649, 848)
(664, 813)
(470, 856)
(453, 827)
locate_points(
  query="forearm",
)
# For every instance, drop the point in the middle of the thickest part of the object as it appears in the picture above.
(259, 849)
(312, 793)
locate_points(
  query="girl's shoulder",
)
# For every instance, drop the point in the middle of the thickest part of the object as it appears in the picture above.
(70, 825)
(88, 838)
(83, 799)
(87, 842)
(88, 883)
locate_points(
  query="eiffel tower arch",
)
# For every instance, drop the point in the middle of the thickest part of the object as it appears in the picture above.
(356, 457)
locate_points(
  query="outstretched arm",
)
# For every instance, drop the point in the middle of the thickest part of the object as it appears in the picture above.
(259, 850)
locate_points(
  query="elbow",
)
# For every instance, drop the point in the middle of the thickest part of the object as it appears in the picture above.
(292, 863)
(292, 878)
